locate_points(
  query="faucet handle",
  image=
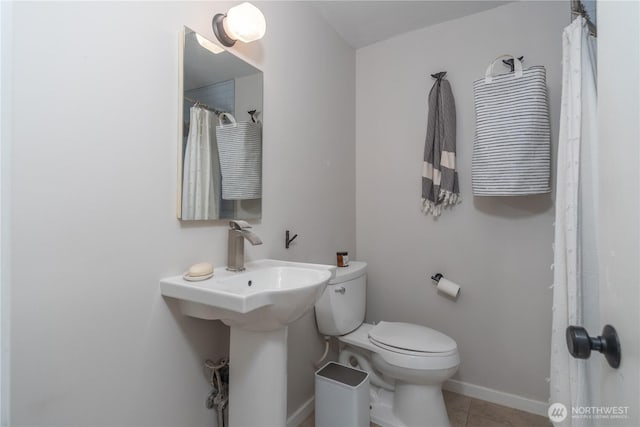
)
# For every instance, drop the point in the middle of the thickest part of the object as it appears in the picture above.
(238, 224)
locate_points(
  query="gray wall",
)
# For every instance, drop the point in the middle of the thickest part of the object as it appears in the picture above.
(93, 185)
(497, 249)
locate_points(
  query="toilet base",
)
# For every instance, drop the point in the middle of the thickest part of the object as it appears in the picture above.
(401, 396)
(409, 406)
(381, 402)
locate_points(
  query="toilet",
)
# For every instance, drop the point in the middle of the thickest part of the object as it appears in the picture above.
(407, 363)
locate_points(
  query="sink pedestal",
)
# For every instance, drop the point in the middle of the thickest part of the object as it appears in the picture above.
(257, 378)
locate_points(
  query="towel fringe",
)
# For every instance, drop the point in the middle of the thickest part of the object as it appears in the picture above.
(449, 198)
(445, 199)
(428, 207)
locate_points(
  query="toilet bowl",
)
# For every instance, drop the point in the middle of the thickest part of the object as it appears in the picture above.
(407, 363)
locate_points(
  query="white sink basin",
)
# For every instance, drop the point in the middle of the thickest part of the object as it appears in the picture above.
(268, 295)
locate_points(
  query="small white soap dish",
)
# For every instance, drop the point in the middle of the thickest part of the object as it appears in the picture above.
(186, 276)
(198, 272)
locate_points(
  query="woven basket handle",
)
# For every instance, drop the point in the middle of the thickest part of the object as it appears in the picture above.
(488, 75)
(229, 117)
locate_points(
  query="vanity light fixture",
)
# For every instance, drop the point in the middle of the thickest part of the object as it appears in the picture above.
(243, 22)
(209, 45)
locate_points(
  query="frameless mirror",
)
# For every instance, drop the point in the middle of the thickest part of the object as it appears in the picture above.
(220, 147)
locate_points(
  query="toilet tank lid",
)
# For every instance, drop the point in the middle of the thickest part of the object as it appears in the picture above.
(353, 271)
(408, 336)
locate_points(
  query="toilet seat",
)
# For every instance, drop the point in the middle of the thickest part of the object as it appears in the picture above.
(402, 358)
(411, 352)
(419, 362)
(411, 346)
(408, 338)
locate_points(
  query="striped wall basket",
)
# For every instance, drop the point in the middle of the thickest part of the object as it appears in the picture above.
(512, 147)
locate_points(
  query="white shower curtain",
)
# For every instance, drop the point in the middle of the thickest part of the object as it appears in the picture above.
(575, 285)
(201, 169)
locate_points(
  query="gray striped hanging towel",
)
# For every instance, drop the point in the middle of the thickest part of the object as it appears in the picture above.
(512, 148)
(240, 152)
(439, 177)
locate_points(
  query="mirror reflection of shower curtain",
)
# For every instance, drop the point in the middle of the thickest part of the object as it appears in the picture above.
(201, 169)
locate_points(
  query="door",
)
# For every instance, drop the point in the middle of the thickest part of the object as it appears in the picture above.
(619, 213)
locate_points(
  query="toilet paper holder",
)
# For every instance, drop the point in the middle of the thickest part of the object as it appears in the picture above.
(436, 277)
(446, 287)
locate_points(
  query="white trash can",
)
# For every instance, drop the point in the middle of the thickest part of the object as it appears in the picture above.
(342, 396)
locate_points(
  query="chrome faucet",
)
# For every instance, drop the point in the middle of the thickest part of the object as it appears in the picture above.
(238, 231)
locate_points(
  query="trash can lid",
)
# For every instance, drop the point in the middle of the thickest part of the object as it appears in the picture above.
(342, 374)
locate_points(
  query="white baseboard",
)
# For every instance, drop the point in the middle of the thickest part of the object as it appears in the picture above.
(471, 390)
(498, 397)
(302, 413)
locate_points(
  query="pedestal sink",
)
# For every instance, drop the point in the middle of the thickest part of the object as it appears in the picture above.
(257, 304)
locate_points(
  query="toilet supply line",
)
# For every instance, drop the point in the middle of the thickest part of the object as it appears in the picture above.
(326, 351)
(354, 359)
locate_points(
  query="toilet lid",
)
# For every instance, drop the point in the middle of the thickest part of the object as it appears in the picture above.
(408, 336)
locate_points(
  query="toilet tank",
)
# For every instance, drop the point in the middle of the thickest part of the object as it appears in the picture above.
(341, 307)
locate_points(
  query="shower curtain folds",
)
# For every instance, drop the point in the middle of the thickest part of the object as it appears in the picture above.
(201, 169)
(575, 279)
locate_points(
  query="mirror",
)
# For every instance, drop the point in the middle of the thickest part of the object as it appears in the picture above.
(220, 146)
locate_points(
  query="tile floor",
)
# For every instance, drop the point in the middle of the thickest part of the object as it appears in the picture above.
(469, 412)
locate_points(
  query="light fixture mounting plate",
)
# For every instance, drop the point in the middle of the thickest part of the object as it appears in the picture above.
(218, 30)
